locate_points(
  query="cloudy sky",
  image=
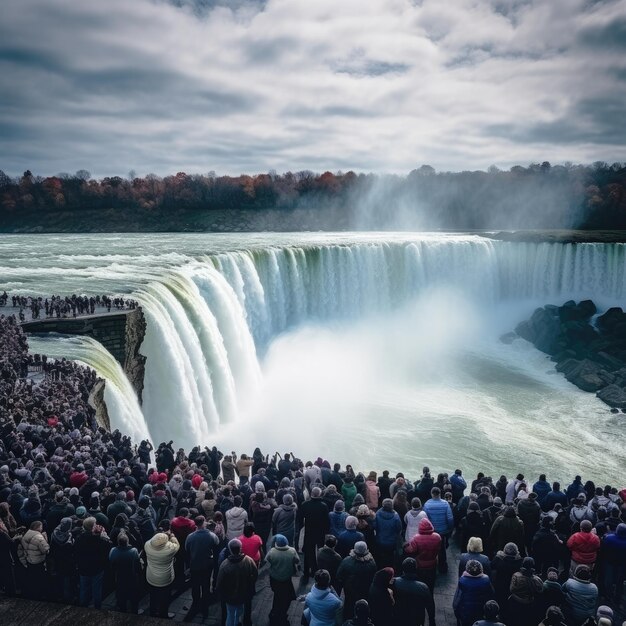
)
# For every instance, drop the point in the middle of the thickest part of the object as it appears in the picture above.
(248, 86)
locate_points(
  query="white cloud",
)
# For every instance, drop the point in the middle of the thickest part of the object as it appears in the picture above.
(286, 84)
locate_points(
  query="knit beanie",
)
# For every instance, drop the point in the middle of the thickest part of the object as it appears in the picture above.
(510, 549)
(351, 522)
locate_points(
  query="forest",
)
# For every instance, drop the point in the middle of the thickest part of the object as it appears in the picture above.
(538, 196)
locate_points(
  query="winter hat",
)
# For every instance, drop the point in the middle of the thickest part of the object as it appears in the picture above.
(409, 566)
(474, 568)
(234, 547)
(510, 512)
(196, 481)
(81, 511)
(510, 549)
(497, 502)
(605, 612)
(339, 506)
(473, 506)
(288, 499)
(388, 504)
(586, 526)
(528, 566)
(553, 573)
(475, 544)
(351, 522)
(159, 540)
(621, 530)
(582, 573)
(360, 548)
(281, 541)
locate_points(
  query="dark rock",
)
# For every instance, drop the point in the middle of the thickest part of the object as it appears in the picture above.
(585, 374)
(611, 318)
(588, 307)
(614, 410)
(613, 396)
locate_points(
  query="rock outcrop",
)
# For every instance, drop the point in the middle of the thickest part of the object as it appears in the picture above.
(592, 356)
(135, 363)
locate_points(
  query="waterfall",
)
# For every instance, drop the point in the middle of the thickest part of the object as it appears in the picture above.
(210, 321)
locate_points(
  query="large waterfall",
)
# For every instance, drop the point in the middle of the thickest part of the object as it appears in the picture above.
(209, 321)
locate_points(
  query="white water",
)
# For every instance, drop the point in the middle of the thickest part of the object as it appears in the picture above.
(377, 347)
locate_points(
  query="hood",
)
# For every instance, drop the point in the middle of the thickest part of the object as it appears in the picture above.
(425, 527)
(319, 594)
(236, 511)
(288, 507)
(386, 514)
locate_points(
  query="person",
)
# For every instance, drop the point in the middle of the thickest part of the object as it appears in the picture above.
(355, 575)
(337, 518)
(491, 612)
(425, 547)
(348, 491)
(529, 511)
(200, 547)
(473, 590)
(459, 485)
(546, 546)
(556, 496)
(413, 518)
(613, 551)
(160, 554)
(283, 563)
(524, 605)
(380, 597)
(284, 519)
(242, 467)
(347, 538)
(388, 526)
(554, 617)
(321, 604)
(126, 568)
(475, 552)
(329, 559)
(361, 615)
(251, 544)
(504, 565)
(552, 592)
(584, 546)
(412, 598)
(440, 515)
(236, 519)
(508, 528)
(313, 516)
(181, 527)
(34, 549)
(62, 552)
(581, 595)
(92, 548)
(236, 581)
(372, 492)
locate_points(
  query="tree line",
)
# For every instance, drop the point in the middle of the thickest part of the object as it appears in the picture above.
(538, 196)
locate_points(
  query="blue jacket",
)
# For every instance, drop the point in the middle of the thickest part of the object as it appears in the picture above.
(552, 498)
(471, 594)
(458, 485)
(440, 515)
(614, 546)
(574, 489)
(199, 549)
(337, 522)
(346, 541)
(388, 527)
(581, 599)
(321, 606)
(541, 488)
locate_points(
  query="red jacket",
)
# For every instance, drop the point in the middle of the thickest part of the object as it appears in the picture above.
(78, 479)
(182, 527)
(584, 547)
(425, 545)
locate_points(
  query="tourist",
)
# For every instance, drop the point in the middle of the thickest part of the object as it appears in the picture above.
(581, 595)
(372, 492)
(200, 547)
(381, 599)
(361, 615)
(236, 581)
(313, 517)
(284, 519)
(160, 554)
(554, 617)
(64, 559)
(321, 604)
(473, 591)
(524, 606)
(337, 518)
(252, 544)
(126, 568)
(349, 536)
(33, 550)
(504, 565)
(283, 561)
(425, 548)
(508, 528)
(236, 519)
(491, 612)
(413, 599)
(92, 548)
(440, 515)
(584, 546)
(355, 575)
(613, 551)
(475, 552)
(329, 559)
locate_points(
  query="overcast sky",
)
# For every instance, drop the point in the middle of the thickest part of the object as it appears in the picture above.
(248, 86)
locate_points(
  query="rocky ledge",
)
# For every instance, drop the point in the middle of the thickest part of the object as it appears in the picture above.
(589, 349)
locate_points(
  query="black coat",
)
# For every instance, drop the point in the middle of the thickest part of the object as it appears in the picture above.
(313, 515)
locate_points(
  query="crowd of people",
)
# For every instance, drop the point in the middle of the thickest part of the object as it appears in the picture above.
(65, 306)
(85, 512)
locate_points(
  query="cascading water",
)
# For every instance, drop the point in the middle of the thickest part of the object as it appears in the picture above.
(410, 323)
